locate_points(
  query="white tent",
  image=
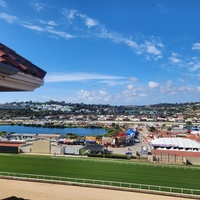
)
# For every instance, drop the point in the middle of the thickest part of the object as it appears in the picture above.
(182, 143)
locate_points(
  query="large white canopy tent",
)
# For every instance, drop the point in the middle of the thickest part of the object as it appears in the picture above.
(175, 143)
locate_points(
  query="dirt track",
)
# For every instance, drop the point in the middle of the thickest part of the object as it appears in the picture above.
(45, 191)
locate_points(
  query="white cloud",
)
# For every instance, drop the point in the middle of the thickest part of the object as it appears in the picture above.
(3, 3)
(131, 92)
(150, 49)
(78, 77)
(153, 84)
(73, 15)
(61, 34)
(103, 92)
(169, 84)
(29, 25)
(126, 41)
(130, 86)
(193, 64)
(105, 95)
(142, 95)
(79, 22)
(185, 89)
(115, 37)
(86, 96)
(32, 27)
(198, 76)
(198, 88)
(48, 29)
(85, 93)
(133, 79)
(151, 46)
(195, 67)
(8, 18)
(69, 14)
(153, 50)
(90, 22)
(160, 45)
(38, 6)
(187, 64)
(174, 60)
(93, 96)
(50, 22)
(111, 82)
(196, 46)
(168, 88)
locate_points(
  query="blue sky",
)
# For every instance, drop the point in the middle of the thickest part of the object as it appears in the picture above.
(117, 52)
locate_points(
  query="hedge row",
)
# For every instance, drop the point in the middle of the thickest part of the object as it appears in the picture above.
(117, 156)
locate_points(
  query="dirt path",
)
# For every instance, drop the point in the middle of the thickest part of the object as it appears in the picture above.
(45, 191)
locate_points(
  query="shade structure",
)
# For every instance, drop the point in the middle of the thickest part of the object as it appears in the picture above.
(184, 143)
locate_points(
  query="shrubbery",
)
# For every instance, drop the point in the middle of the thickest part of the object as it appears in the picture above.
(117, 156)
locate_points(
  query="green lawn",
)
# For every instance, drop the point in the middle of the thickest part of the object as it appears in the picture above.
(124, 171)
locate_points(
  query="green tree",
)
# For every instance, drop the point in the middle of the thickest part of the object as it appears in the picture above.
(3, 133)
(152, 129)
(169, 128)
(163, 126)
(71, 135)
(188, 125)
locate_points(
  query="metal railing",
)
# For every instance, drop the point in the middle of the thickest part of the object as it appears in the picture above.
(80, 181)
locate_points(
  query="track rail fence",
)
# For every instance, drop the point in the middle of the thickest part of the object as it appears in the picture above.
(155, 188)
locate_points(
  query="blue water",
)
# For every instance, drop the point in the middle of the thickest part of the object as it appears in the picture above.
(43, 130)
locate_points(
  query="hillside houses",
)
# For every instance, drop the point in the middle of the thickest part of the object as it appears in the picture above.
(178, 113)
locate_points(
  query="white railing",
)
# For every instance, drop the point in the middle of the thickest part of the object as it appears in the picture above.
(185, 191)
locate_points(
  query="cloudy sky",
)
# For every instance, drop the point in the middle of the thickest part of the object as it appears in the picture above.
(117, 52)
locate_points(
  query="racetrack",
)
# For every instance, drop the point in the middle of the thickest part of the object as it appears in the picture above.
(46, 191)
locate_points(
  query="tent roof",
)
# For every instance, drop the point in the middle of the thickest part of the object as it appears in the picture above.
(176, 142)
(129, 131)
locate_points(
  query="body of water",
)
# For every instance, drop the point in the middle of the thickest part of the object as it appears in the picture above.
(44, 130)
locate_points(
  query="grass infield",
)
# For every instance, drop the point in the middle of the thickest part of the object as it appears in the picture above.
(125, 171)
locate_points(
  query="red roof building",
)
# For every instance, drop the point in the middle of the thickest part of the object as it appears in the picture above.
(11, 144)
(10, 147)
(17, 73)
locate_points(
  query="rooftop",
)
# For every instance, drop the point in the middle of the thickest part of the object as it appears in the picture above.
(17, 73)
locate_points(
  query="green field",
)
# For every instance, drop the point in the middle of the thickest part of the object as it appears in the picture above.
(124, 171)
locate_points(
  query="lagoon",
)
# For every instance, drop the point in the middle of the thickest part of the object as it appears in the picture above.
(46, 130)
